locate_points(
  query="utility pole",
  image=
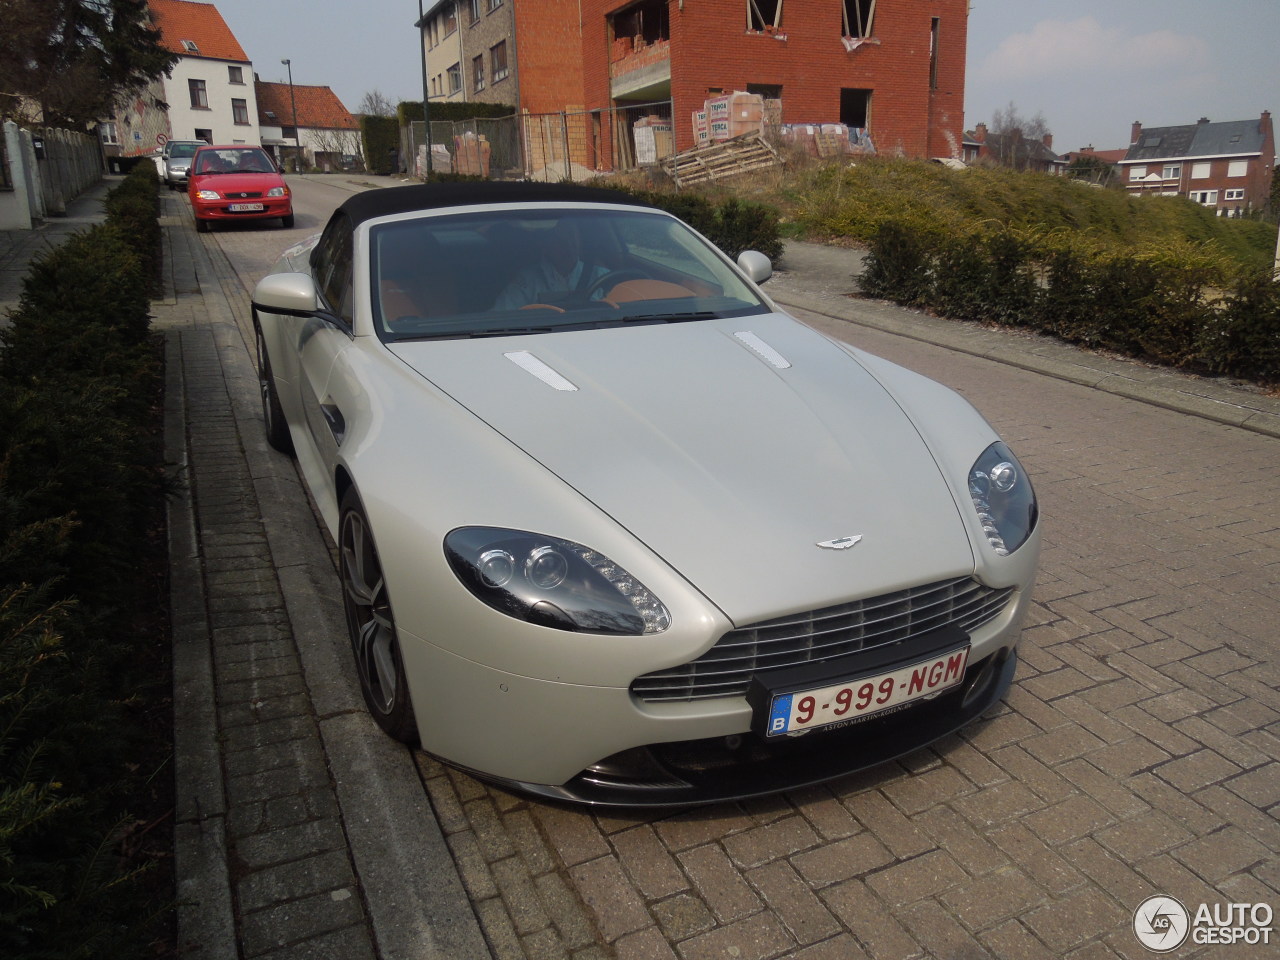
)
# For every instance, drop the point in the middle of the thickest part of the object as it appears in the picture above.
(426, 111)
(293, 106)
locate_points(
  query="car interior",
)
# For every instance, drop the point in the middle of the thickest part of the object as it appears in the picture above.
(430, 272)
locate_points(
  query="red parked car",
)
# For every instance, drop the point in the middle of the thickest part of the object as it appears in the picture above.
(236, 183)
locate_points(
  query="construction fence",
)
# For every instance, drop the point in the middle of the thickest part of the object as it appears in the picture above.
(565, 146)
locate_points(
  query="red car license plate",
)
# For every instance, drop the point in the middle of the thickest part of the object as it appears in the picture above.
(792, 713)
(246, 207)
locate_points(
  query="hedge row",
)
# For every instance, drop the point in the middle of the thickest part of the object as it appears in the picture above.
(80, 495)
(731, 224)
(1181, 304)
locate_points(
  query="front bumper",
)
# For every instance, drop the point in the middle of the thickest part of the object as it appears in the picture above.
(739, 767)
(221, 209)
(603, 745)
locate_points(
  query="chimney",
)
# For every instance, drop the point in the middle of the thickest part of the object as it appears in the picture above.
(980, 133)
(1136, 135)
(1088, 149)
(1264, 125)
(1202, 121)
(1048, 140)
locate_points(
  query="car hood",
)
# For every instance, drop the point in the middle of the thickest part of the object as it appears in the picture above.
(731, 448)
(235, 182)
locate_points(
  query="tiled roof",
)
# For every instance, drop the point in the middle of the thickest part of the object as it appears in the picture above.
(198, 23)
(318, 107)
(1206, 139)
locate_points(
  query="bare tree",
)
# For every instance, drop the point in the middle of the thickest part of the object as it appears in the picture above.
(375, 104)
(1013, 139)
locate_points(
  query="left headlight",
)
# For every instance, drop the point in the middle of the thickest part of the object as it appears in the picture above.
(1002, 496)
(552, 582)
(278, 192)
(208, 194)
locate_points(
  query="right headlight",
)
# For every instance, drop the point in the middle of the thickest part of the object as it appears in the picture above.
(1002, 496)
(552, 582)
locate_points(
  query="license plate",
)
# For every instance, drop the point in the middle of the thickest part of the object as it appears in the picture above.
(245, 207)
(804, 710)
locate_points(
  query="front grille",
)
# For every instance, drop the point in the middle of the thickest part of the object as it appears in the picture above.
(726, 670)
(244, 196)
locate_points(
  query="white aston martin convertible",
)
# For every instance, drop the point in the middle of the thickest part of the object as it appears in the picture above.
(614, 528)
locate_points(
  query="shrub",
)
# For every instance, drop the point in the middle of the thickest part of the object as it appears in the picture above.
(898, 265)
(1243, 338)
(79, 493)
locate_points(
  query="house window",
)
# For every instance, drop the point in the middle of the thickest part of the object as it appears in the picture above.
(1200, 171)
(1238, 168)
(764, 15)
(455, 78)
(107, 132)
(1172, 171)
(1137, 173)
(498, 61)
(199, 96)
(240, 111)
(477, 72)
(855, 108)
(450, 19)
(494, 5)
(933, 53)
(289, 133)
(1208, 198)
(473, 10)
(235, 75)
(858, 16)
(767, 91)
(1235, 193)
(189, 46)
(205, 135)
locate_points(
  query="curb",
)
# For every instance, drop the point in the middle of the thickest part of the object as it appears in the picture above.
(1159, 387)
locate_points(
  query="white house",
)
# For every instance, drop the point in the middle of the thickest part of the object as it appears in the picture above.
(311, 119)
(209, 93)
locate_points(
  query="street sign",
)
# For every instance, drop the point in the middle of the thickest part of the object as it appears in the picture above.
(161, 139)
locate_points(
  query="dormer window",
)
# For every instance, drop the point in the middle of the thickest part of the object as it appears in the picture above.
(269, 114)
(190, 46)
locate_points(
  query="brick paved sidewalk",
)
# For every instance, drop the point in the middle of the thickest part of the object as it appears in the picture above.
(301, 830)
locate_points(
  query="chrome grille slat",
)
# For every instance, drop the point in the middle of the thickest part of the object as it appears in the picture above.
(727, 669)
(862, 624)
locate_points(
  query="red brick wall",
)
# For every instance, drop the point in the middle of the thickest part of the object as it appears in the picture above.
(710, 49)
(547, 41)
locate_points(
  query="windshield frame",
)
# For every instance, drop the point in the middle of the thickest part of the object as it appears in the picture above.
(492, 247)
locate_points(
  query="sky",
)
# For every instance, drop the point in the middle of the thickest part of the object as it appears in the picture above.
(1090, 67)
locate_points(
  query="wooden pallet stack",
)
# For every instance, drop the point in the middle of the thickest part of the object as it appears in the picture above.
(729, 158)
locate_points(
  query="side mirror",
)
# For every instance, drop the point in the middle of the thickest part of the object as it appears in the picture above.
(288, 293)
(755, 265)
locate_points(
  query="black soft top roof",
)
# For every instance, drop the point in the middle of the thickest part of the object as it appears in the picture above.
(426, 196)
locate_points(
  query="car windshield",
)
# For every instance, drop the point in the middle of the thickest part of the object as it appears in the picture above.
(183, 150)
(539, 271)
(233, 160)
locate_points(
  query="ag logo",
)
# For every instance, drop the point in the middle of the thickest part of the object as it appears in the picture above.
(840, 543)
(1160, 923)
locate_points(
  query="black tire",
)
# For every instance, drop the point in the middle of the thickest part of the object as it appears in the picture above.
(371, 626)
(287, 222)
(202, 226)
(273, 421)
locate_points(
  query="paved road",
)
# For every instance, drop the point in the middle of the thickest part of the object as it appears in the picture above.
(1136, 754)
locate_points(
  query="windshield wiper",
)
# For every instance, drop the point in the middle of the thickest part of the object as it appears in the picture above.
(668, 317)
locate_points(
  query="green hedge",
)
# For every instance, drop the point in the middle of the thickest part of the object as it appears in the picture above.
(80, 498)
(731, 224)
(455, 111)
(380, 136)
(1183, 304)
